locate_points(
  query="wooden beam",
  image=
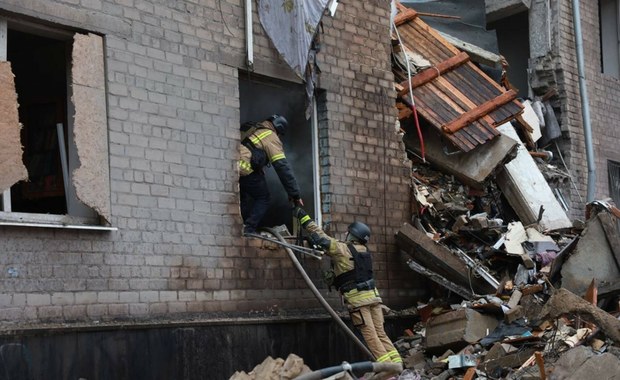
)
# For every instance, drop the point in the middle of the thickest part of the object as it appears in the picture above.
(541, 365)
(476, 113)
(405, 16)
(431, 73)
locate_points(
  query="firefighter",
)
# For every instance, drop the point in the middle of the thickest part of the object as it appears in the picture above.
(352, 265)
(261, 146)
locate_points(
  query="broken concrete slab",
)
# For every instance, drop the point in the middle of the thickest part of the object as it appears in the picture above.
(581, 363)
(457, 329)
(471, 168)
(609, 224)
(12, 169)
(438, 258)
(526, 189)
(499, 9)
(591, 258)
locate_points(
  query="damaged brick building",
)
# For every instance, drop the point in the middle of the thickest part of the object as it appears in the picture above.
(158, 90)
(142, 229)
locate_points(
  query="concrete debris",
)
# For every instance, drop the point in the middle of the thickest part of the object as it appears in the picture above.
(275, 369)
(462, 230)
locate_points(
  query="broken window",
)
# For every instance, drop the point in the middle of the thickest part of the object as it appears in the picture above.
(609, 13)
(613, 170)
(261, 97)
(54, 126)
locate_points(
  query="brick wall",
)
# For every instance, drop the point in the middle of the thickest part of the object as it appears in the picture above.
(173, 109)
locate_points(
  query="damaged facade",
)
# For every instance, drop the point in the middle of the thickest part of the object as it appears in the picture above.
(142, 221)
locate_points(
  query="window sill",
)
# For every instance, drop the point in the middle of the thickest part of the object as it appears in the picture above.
(17, 219)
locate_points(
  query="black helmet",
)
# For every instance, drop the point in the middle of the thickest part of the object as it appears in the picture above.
(279, 123)
(360, 231)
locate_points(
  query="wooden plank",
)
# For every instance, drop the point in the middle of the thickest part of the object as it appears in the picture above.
(592, 293)
(469, 375)
(611, 232)
(541, 365)
(437, 70)
(404, 17)
(482, 110)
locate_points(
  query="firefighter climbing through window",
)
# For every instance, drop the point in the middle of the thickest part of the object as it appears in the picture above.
(260, 147)
(352, 266)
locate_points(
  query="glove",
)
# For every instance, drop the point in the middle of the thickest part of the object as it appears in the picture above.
(302, 216)
(298, 202)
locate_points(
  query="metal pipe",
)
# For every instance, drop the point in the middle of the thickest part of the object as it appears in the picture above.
(585, 108)
(319, 297)
(316, 173)
(249, 36)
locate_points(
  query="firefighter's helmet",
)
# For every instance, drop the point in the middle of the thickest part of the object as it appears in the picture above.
(360, 231)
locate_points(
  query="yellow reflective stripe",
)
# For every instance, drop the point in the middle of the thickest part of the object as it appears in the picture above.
(304, 219)
(244, 165)
(384, 358)
(355, 295)
(256, 139)
(277, 157)
(395, 356)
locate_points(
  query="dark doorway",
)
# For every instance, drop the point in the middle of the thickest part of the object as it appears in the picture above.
(261, 97)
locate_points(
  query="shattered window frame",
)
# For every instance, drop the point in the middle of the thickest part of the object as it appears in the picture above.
(613, 172)
(84, 152)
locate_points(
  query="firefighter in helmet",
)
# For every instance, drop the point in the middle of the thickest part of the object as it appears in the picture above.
(352, 265)
(261, 146)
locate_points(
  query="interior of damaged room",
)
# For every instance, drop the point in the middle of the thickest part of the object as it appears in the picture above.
(518, 288)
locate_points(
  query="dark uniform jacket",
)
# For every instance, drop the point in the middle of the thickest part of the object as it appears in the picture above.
(342, 261)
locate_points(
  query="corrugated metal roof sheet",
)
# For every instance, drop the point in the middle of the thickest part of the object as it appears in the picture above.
(453, 94)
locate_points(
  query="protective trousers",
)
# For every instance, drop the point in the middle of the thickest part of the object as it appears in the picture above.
(369, 320)
(255, 197)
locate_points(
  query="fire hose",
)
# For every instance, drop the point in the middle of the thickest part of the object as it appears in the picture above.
(361, 367)
(320, 298)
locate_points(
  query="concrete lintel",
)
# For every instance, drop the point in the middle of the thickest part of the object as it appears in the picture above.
(261, 66)
(499, 9)
(79, 18)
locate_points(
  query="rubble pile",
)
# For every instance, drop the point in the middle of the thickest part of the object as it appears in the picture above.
(509, 297)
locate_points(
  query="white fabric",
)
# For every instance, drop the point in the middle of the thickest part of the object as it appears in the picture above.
(291, 25)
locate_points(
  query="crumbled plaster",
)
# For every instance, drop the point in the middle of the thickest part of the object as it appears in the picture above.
(91, 179)
(12, 168)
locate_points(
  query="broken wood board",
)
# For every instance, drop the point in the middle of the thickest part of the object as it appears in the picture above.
(591, 258)
(438, 259)
(509, 361)
(92, 178)
(530, 118)
(473, 167)
(12, 169)
(526, 189)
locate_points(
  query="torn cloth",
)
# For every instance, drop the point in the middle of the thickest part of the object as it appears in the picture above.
(291, 26)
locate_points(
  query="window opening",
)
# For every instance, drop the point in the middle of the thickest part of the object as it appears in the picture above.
(261, 97)
(613, 169)
(60, 90)
(609, 15)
